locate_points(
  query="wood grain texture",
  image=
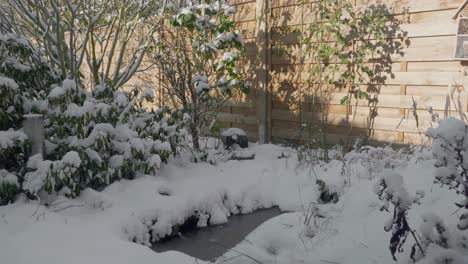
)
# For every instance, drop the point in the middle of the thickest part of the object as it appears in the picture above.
(424, 75)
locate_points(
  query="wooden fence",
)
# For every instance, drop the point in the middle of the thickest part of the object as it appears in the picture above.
(425, 76)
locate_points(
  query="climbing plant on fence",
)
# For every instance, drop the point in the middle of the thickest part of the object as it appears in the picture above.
(349, 50)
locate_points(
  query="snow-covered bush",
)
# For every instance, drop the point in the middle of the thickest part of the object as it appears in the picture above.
(436, 242)
(93, 142)
(441, 244)
(92, 138)
(390, 189)
(14, 148)
(25, 79)
(450, 149)
(9, 186)
(374, 159)
(198, 62)
(24, 76)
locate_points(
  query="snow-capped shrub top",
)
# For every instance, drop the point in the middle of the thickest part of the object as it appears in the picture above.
(452, 130)
(390, 189)
(10, 138)
(72, 158)
(9, 186)
(8, 83)
(434, 231)
(450, 149)
(233, 132)
(102, 138)
(8, 178)
(14, 151)
(25, 80)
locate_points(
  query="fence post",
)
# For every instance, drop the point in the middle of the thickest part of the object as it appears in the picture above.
(33, 127)
(262, 10)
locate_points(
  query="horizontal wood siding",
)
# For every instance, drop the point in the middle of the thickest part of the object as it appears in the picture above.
(421, 76)
(424, 75)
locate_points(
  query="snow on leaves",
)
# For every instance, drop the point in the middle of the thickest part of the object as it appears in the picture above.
(450, 149)
(390, 189)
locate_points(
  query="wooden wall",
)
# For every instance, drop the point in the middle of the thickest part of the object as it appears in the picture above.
(423, 73)
(421, 76)
(242, 111)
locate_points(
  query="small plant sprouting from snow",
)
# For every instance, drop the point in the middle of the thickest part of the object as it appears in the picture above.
(313, 217)
(374, 159)
(391, 191)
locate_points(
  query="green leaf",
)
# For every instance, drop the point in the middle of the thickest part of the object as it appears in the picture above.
(344, 100)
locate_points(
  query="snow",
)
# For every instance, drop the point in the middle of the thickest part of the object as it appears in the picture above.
(8, 139)
(228, 37)
(101, 227)
(352, 231)
(233, 132)
(197, 78)
(41, 171)
(228, 56)
(73, 110)
(121, 100)
(395, 188)
(116, 161)
(8, 178)
(148, 93)
(101, 223)
(201, 83)
(452, 129)
(34, 180)
(93, 156)
(230, 10)
(155, 161)
(59, 91)
(8, 83)
(72, 158)
(33, 116)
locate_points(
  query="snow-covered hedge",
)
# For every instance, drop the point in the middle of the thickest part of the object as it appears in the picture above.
(24, 78)
(92, 138)
(93, 142)
(14, 148)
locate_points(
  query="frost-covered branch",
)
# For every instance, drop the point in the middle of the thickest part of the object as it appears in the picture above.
(108, 35)
(197, 72)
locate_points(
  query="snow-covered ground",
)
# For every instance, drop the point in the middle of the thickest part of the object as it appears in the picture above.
(101, 227)
(353, 230)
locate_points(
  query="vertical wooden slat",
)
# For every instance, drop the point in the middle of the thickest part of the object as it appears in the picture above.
(269, 67)
(403, 68)
(261, 33)
(231, 112)
(464, 77)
